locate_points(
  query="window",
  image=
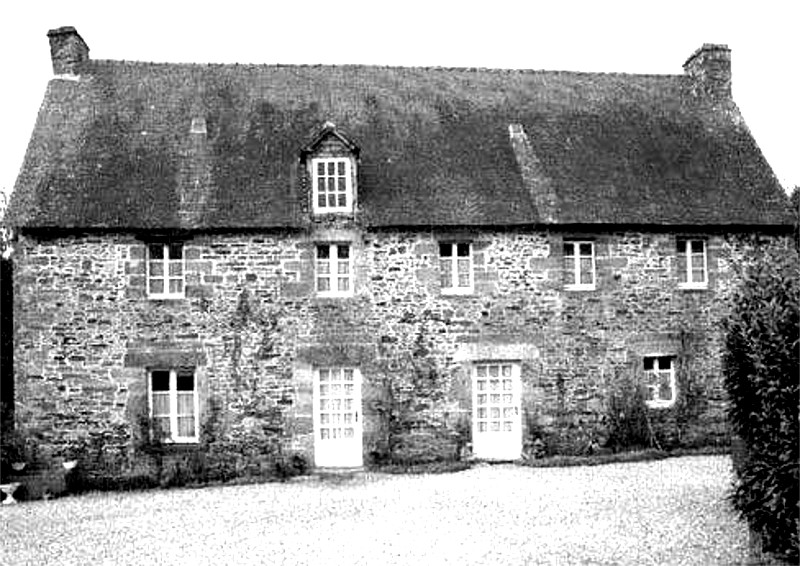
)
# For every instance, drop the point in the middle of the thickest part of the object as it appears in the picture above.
(332, 185)
(579, 265)
(165, 271)
(455, 268)
(334, 270)
(692, 264)
(173, 405)
(659, 385)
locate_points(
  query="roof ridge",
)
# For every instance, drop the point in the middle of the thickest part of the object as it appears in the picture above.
(498, 70)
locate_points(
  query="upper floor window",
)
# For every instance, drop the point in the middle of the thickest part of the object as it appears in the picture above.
(692, 264)
(332, 182)
(165, 271)
(660, 388)
(455, 267)
(334, 270)
(174, 405)
(579, 265)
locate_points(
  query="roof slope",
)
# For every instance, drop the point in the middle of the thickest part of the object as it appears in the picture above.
(114, 149)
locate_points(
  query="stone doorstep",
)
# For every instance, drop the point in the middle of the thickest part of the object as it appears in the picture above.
(357, 472)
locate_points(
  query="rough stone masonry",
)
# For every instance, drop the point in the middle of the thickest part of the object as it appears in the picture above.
(250, 319)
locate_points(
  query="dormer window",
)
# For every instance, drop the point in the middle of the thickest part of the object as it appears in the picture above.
(332, 185)
(331, 159)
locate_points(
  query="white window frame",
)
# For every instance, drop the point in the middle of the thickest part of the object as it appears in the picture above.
(166, 262)
(315, 176)
(454, 288)
(656, 402)
(575, 268)
(334, 265)
(687, 257)
(172, 435)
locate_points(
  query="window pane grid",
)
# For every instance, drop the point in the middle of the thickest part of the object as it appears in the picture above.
(692, 262)
(173, 404)
(165, 270)
(579, 269)
(337, 409)
(495, 412)
(660, 385)
(334, 269)
(455, 266)
(332, 184)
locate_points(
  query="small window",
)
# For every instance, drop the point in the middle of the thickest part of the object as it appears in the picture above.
(692, 264)
(334, 271)
(579, 265)
(659, 381)
(455, 267)
(333, 191)
(165, 271)
(174, 405)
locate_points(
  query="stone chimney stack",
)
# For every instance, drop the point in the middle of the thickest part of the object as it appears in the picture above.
(709, 71)
(67, 50)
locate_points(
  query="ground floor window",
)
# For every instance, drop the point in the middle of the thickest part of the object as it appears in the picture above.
(659, 383)
(174, 404)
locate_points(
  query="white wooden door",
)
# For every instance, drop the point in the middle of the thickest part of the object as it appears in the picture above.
(337, 417)
(496, 414)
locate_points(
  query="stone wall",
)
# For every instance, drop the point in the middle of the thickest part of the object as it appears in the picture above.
(251, 326)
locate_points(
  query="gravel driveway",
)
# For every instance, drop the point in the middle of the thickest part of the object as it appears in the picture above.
(665, 512)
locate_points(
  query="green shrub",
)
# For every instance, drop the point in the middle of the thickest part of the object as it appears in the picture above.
(290, 465)
(627, 418)
(761, 376)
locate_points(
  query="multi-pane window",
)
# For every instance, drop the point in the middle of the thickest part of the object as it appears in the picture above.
(579, 265)
(173, 404)
(332, 185)
(338, 403)
(455, 267)
(165, 270)
(495, 398)
(659, 381)
(692, 263)
(334, 270)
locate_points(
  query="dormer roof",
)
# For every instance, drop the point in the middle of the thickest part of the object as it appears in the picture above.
(329, 129)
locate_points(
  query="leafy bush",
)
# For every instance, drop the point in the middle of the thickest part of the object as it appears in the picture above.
(290, 465)
(627, 419)
(761, 376)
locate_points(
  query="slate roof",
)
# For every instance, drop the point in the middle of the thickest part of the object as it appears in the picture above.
(114, 149)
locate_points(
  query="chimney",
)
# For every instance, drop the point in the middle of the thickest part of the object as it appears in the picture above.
(709, 71)
(67, 50)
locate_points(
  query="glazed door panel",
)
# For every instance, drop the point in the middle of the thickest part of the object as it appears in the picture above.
(337, 417)
(496, 415)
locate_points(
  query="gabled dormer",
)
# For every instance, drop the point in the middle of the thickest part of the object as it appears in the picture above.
(331, 160)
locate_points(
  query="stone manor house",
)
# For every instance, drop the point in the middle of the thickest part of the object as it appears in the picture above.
(360, 264)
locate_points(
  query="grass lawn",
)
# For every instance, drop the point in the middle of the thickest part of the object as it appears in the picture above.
(668, 511)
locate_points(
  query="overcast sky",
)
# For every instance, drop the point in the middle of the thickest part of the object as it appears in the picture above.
(599, 36)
